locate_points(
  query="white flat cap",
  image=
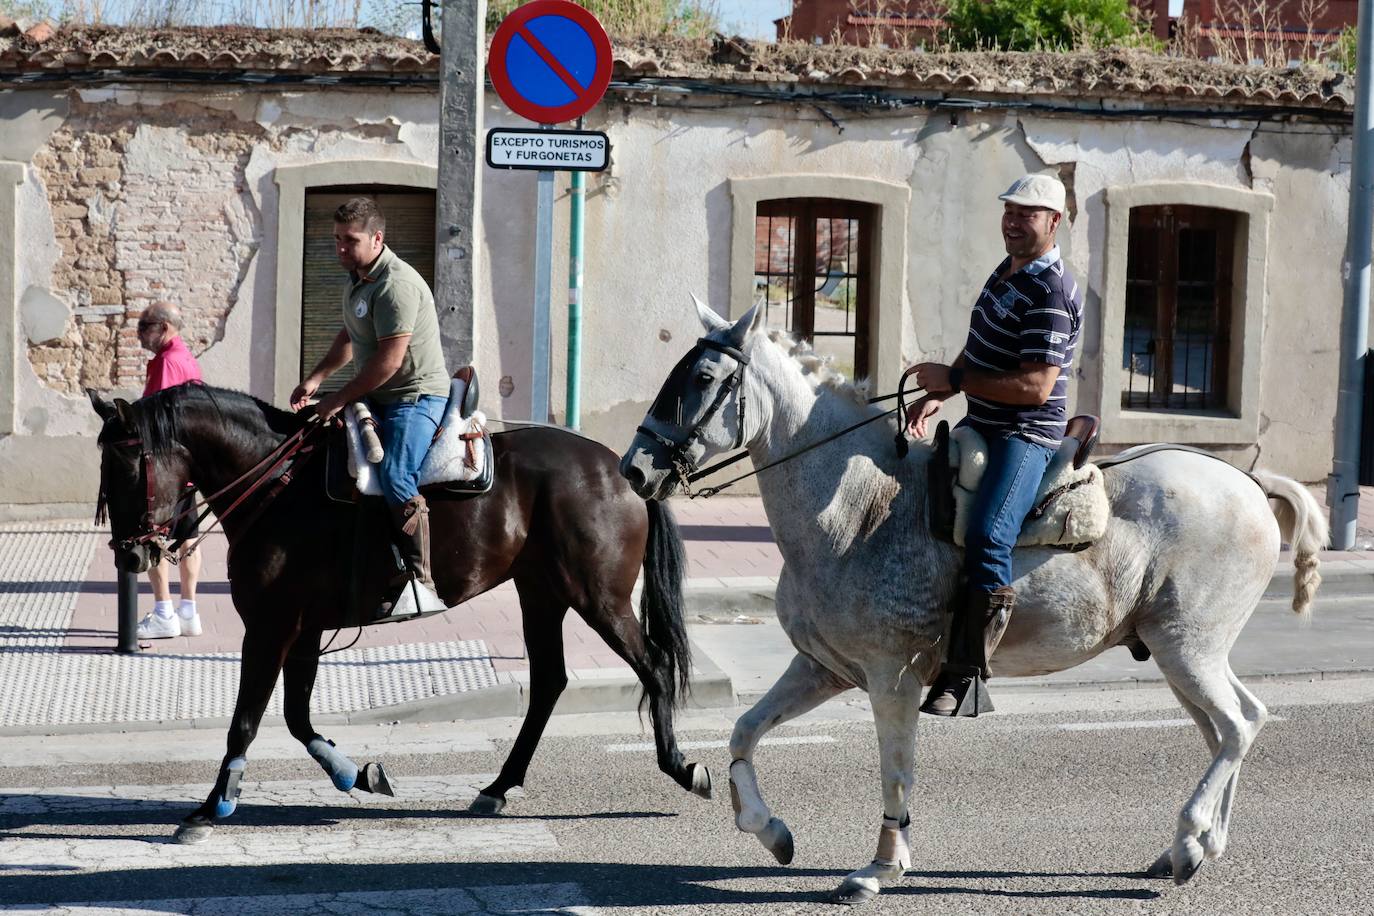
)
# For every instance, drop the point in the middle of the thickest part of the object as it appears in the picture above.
(1036, 191)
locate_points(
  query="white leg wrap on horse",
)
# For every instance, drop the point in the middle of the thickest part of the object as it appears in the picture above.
(894, 847)
(751, 814)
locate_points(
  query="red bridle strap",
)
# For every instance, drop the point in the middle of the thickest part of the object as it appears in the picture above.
(273, 461)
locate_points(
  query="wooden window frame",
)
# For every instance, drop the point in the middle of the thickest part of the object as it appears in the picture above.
(805, 212)
(1168, 222)
(1238, 423)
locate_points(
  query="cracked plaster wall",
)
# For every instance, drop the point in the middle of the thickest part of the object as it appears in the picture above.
(136, 195)
(657, 229)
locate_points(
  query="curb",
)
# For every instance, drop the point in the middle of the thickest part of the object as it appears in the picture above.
(1355, 579)
(587, 691)
(611, 691)
(755, 596)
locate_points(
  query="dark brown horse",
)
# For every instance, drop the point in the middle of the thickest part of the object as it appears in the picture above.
(559, 520)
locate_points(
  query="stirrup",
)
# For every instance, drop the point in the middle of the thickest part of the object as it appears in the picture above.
(971, 694)
(415, 600)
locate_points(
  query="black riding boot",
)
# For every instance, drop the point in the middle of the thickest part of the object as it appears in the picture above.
(413, 591)
(974, 634)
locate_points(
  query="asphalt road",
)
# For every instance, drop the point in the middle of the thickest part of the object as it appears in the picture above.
(1053, 805)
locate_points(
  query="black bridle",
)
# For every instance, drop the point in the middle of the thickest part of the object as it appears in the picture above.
(683, 466)
(687, 472)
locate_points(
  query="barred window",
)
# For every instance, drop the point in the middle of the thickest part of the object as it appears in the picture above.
(813, 269)
(1177, 336)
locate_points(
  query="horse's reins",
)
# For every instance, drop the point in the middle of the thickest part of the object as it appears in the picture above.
(685, 469)
(293, 446)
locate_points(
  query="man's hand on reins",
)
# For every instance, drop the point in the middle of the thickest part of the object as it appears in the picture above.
(330, 404)
(917, 415)
(934, 378)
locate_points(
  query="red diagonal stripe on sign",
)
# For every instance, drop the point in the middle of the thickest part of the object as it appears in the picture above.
(554, 64)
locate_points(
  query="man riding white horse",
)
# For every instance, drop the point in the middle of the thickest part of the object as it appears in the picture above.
(1014, 373)
(391, 332)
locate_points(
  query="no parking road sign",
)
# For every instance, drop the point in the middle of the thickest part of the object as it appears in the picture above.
(550, 61)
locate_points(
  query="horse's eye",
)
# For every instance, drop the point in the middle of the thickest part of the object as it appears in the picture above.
(704, 379)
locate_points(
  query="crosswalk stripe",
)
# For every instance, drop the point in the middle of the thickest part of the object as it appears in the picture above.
(700, 745)
(525, 898)
(287, 846)
(89, 799)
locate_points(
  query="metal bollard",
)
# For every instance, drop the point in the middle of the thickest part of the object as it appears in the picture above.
(127, 589)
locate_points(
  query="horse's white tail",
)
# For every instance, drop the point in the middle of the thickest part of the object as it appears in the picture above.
(1304, 527)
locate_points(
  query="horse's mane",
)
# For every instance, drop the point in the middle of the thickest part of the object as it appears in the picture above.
(818, 371)
(159, 417)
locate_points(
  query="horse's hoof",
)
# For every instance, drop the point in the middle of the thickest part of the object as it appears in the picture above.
(777, 839)
(701, 780)
(486, 804)
(191, 834)
(373, 779)
(853, 890)
(1187, 860)
(1163, 867)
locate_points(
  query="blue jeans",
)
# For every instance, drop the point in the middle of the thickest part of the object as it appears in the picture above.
(407, 429)
(1005, 497)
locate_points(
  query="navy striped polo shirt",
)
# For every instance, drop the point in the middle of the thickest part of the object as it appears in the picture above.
(1033, 316)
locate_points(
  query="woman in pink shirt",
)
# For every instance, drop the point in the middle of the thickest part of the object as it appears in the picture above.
(159, 331)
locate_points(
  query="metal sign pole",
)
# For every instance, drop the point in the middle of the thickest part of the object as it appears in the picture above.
(1343, 489)
(543, 266)
(573, 420)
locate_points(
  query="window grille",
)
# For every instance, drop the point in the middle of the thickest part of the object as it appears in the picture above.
(1177, 335)
(813, 261)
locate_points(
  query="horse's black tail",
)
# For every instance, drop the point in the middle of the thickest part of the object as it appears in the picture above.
(661, 604)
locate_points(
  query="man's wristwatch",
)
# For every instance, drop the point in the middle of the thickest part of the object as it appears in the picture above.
(956, 379)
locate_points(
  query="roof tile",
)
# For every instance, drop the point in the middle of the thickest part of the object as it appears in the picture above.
(1113, 73)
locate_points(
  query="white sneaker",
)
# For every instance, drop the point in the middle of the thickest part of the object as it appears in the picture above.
(154, 627)
(190, 626)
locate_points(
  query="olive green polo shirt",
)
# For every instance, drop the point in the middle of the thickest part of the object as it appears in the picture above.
(392, 299)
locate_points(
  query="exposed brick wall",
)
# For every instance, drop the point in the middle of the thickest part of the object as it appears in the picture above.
(184, 232)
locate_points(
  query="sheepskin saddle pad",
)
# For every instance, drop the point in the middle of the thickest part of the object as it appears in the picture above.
(1071, 508)
(459, 458)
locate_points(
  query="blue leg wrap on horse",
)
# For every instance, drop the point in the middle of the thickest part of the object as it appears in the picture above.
(229, 794)
(341, 770)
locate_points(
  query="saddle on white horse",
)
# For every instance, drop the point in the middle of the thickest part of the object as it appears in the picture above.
(1071, 507)
(460, 456)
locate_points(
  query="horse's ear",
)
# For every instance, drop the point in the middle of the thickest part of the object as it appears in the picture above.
(102, 407)
(125, 412)
(744, 326)
(709, 319)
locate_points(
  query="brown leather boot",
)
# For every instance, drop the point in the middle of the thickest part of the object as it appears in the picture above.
(411, 522)
(974, 636)
(412, 594)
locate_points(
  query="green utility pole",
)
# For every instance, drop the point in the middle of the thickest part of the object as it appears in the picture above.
(577, 197)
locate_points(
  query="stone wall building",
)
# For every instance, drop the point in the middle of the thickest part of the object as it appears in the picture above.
(1207, 223)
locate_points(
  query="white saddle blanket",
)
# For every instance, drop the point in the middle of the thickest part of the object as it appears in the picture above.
(449, 460)
(1076, 516)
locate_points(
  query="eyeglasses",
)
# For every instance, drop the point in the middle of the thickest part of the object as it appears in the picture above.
(145, 325)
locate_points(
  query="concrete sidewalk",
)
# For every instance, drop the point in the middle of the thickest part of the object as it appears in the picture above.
(58, 629)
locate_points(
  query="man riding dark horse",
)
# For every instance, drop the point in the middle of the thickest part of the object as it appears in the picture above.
(391, 333)
(1014, 372)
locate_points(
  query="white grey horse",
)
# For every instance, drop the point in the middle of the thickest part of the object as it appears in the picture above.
(1190, 547)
